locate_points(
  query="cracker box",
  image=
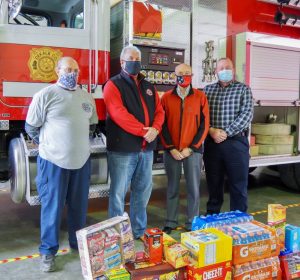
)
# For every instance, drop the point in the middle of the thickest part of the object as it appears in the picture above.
(153, 244)
(176, 255)
(265, 269)
(220, 271)
(105, 246)
(207, 246)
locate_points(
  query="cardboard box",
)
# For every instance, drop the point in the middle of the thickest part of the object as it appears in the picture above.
(290, 266)
(177, 255)
(276, 214)
(118, 274)
(153, 244)
(207, 246)
(265, 269)
(292, 238)
(101, 246)
(162, 271)
(251, 242)
(220, 271)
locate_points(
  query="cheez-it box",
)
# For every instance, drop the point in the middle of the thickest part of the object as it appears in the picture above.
(220, 271)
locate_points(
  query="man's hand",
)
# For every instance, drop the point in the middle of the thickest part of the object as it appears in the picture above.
(219, 135)
(186, 152)
(151, 134)
(176, 154)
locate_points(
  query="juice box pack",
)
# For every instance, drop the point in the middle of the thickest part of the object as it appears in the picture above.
(207, 246)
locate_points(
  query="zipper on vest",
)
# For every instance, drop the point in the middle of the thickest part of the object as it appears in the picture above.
(181, 117)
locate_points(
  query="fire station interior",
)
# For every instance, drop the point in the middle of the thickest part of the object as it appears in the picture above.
(197, 32)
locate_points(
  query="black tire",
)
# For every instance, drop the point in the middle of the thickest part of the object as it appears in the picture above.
(290, 175)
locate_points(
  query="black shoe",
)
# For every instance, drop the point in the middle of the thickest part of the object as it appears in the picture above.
(167, 230)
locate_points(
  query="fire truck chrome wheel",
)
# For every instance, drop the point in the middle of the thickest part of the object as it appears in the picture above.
(17, 165)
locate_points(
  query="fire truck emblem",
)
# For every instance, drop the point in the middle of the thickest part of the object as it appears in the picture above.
(42, 63)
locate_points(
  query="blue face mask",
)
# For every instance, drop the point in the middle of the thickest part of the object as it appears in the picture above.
(225, 75)
(132, 67)
(68, 80)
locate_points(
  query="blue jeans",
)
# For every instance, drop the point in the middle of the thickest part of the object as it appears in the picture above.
(56, 187)
(133, 169)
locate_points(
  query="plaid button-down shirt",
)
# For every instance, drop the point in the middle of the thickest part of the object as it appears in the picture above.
(231, 107)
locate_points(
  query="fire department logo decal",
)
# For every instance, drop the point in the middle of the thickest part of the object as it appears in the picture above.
(42, 63)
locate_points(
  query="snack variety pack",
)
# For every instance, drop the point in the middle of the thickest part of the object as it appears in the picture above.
(105, 246)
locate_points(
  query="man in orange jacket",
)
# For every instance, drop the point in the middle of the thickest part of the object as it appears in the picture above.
(185, 128)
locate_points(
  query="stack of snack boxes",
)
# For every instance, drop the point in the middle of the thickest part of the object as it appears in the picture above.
(253, 243)
(290, 257)
(105, 246)
(277, 220)
(210, 254)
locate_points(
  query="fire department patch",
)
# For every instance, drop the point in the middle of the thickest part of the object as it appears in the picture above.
(149, 92)
(42, 62)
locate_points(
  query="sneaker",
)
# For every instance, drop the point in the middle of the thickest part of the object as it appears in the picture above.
(167, 230)
(47, 263)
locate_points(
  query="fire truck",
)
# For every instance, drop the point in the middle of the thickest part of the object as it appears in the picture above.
(34, 34)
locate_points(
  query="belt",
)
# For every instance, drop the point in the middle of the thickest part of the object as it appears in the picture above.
(242, 133)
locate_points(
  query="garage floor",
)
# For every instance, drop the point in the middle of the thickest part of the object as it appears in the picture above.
(19, 224)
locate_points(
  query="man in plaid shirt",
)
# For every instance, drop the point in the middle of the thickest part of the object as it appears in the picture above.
(226, 149)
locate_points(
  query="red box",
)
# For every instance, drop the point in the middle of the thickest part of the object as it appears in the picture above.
(154, 271)
(153, 243)
(290, 266)
(220, 271)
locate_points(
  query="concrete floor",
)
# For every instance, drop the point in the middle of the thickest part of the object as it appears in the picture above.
(19, 224)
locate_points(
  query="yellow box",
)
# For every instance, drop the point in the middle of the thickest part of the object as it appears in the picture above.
(177, 255)
(276, 214)
(208, 246)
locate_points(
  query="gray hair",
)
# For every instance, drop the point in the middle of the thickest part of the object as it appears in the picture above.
(129, 48)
